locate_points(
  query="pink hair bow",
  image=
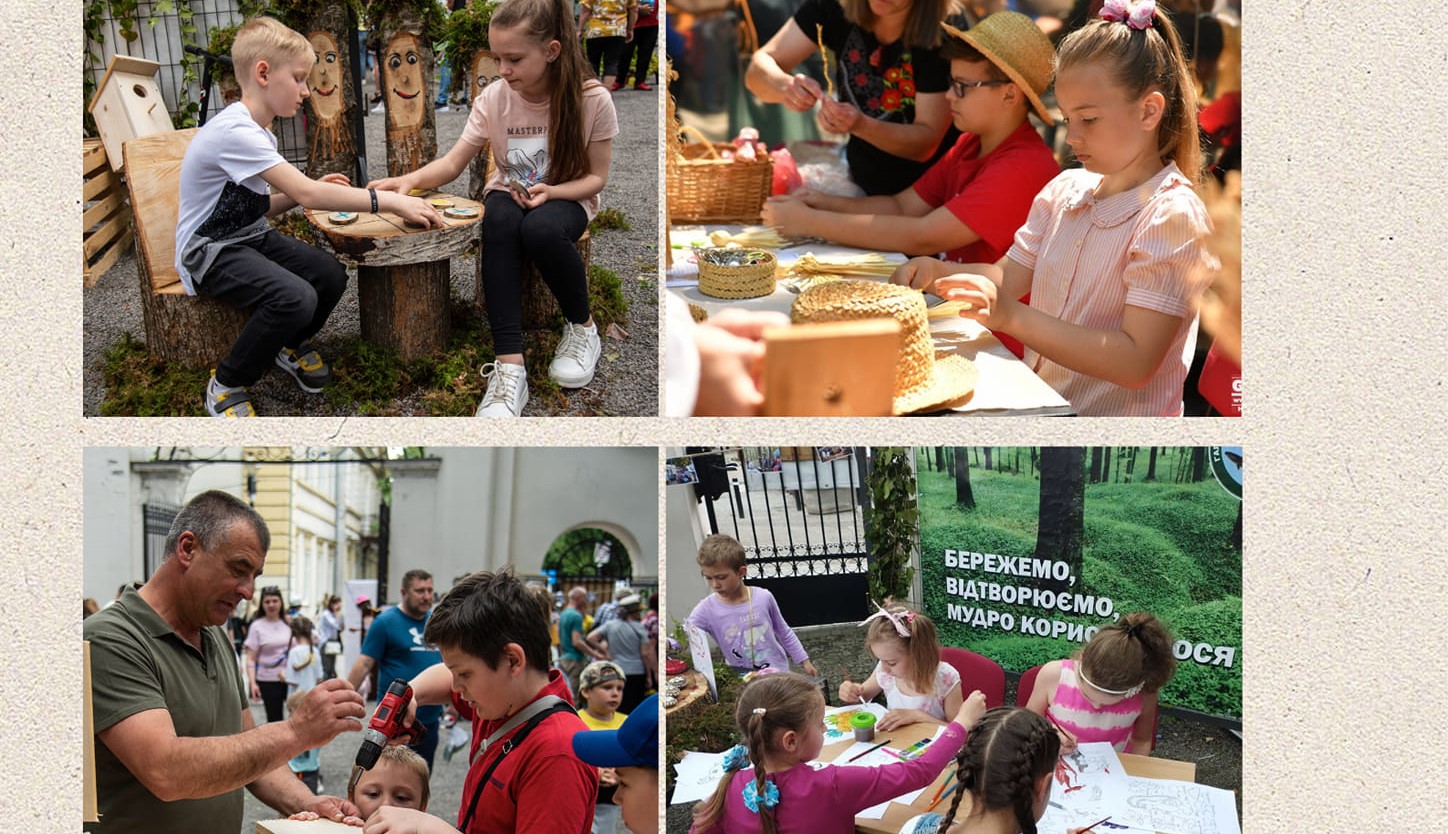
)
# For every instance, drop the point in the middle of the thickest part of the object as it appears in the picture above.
(900, 628)
(1136, 15)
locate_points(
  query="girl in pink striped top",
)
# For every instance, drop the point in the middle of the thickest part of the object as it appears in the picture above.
(1112, 253)
(1107, 692)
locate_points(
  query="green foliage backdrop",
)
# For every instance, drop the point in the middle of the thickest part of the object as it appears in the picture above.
(1163, 546)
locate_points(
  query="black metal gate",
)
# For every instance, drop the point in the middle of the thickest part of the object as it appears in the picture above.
(799, 512)
(156, 521)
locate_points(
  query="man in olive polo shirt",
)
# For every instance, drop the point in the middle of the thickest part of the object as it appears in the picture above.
(178, 742)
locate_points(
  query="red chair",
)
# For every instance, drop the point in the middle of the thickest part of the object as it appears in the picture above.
(1026, 685)
(977, 672)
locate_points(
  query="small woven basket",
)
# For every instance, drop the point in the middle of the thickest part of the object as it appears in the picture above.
(746, 281)
(703, 187)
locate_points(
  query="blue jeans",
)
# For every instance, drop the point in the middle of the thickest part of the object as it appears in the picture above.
(444, 84)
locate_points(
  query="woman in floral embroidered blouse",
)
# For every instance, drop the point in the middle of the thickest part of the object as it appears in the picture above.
(889, 76)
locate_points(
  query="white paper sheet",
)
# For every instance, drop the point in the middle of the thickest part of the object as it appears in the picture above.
(1097, 786)
(697, 775)
(699, 653)
(834, 725)
(879, 758)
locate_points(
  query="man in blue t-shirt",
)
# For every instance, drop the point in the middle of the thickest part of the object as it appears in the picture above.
(394, 646)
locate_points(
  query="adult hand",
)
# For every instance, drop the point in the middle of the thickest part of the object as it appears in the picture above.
(255, 692)
(851, 692)
(335, 179)
(390, 819)
(331, 708)
(971, 709)
(838, 117)
(802, 93)
(417, 211)
(784, 213)
(312, 816)
(607, 777)
(919, 273)
(979, 292)
(332, 808)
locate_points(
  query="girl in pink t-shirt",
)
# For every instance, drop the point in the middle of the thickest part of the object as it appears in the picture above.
(771, 786)
(551, 127)
(917, 685)
(1112, 254)
(1107, 692)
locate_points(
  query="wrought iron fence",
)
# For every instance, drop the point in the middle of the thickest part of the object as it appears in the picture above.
(156, 522)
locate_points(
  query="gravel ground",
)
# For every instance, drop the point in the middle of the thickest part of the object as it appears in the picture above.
(627, 379)
(1216, 752)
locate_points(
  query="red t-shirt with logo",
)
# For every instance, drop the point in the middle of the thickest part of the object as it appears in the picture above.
(540, 786)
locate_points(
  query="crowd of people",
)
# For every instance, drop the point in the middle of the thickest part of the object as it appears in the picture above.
(173, 694)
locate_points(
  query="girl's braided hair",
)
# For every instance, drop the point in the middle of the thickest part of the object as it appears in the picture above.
(1007, 752)
(769, 706)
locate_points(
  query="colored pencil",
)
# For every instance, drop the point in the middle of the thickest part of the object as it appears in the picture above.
(1093, 825)
(936, 801)
(871, 750)
(938, 791)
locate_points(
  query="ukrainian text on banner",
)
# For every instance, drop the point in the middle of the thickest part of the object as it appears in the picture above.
(1026, 551)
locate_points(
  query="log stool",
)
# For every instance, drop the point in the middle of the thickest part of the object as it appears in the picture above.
(191, 330)
(403, 273)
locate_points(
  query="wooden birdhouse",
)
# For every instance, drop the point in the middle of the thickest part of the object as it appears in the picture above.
(128, 104)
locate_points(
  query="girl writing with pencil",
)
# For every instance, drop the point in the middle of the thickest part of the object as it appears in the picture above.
(769, 785)
(1107, 692)
(917, 685)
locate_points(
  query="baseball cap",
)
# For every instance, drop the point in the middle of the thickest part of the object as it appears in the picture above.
(635, 744)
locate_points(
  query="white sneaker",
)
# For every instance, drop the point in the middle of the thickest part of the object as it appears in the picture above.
(507, 390)
(440, 108)
(577, 355)
(378, 108)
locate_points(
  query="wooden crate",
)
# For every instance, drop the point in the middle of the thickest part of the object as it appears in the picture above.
(107, 217)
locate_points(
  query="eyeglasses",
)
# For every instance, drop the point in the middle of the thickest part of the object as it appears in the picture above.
(961, 87)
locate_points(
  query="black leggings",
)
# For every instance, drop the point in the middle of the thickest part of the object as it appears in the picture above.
(639, 52)
(274, 696)
(291, 288)
(603, 54)
(545, 235)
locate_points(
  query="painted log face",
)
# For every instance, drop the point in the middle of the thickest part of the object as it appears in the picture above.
(407, 62)
(330, 146)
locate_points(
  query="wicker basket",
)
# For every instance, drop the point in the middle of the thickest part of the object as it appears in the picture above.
(703, 187)
(748, 281)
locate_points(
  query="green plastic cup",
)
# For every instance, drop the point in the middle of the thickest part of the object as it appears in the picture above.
(863, 723)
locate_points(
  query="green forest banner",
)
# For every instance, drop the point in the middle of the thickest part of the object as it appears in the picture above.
(1026, 551)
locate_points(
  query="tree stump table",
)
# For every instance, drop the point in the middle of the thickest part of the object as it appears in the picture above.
(403, 273)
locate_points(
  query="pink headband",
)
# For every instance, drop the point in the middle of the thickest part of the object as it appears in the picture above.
(895, 619)
(1136, 15)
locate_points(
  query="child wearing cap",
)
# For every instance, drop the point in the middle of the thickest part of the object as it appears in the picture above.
(625, 640)
(970, 203)
(632, 751)
(601, 684)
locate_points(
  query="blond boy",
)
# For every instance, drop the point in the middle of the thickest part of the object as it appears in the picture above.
(399, 780)
(232, 180)
(744, 620)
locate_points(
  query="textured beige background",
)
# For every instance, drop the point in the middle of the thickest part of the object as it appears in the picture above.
(1345, 559)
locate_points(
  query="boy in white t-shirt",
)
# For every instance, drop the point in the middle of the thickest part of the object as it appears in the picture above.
(225, 248)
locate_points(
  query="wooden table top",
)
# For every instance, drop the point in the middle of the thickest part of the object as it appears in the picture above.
(384, 239)
(901, 737)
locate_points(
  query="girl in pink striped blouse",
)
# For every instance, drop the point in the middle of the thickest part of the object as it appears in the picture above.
(1111, 255)
(1107, 692)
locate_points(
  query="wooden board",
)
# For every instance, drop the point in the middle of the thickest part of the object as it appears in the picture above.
(300, 827)
(383, 239)
(834, 369)
(106, 222)
(91, 808)
(154, 163)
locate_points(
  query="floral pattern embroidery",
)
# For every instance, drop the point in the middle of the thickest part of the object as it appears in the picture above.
(883, 77)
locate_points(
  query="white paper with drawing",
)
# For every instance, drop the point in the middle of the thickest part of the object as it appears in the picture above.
(884, 757)
(699, 652)
(837, 720)
(1091, 784)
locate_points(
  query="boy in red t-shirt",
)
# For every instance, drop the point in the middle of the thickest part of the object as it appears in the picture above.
(494, 644)
(970, 203)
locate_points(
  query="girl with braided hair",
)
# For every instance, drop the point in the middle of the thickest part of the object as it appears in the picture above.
(1005, 769)
(918, 687)
(1107, 691)
(769, 785)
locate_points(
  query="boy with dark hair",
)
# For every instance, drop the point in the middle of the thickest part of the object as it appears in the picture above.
(494, 643)
(970, 203)
(226, 249)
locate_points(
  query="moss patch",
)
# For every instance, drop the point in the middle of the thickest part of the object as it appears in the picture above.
(141, 385)
(609, 218)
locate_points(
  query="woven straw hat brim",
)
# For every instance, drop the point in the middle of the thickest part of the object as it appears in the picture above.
(952, 381)
(1018, 47)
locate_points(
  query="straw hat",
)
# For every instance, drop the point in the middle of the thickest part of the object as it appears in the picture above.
(1018, 47)
(921, 380)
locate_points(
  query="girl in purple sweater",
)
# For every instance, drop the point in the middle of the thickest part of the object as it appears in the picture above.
(770, 785)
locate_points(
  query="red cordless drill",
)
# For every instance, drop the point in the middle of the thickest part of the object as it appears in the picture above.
(387, 723)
